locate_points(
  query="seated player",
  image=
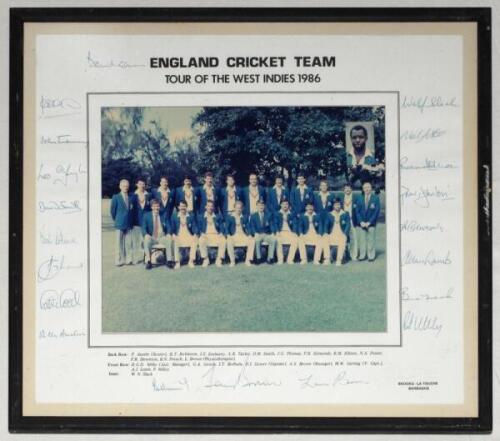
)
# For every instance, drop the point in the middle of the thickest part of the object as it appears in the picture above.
(367, 211)
(336, 231)
(276, 194)
(211, 231)
(156, 231)
(311, 231)
(263, 230)
(184, 234)
(287, 229)
(239, 234)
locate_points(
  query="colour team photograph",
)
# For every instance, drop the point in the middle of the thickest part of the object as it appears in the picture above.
(243, 219)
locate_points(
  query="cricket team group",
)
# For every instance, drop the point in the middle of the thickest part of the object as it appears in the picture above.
(229, 217)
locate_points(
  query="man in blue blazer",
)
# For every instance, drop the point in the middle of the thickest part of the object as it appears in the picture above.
(184, 229)
(188, 194)
(165, 196)
(287, 232)
(122, 211)
(262, 228)
(300, 195)
(336, 231)
(141, 200)
(211, 231)
(323, 200)
(349, 205)
(239, 234)
(253, 194)
(276, 194)
(311, 232)
(229, 195)
(367, 213)
(156, 231)
(208, 192)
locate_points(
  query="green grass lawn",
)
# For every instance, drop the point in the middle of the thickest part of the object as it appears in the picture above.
(287, 298)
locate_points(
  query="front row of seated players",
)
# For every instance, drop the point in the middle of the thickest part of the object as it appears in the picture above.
(184, 229)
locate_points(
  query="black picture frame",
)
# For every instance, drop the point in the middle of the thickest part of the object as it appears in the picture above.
(31, 424)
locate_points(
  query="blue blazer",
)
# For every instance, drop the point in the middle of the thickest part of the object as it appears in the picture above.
(272, 202)
(223, 198)
(246, 197)
(218, 221)
(293, 222)
(329, 223)
(122, 215)
(318, 204)
(139, 212)
(180, 196)
(191, 224)
(353, 208)
(266, 227)
(203, 198)
(148, 224)
(368, 213)
(298, 204)
(230, 223)
(317, 223)
(168, 208)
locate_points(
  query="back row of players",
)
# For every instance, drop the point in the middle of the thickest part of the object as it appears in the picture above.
(229, 217)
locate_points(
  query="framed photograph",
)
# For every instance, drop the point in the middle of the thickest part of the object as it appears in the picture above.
(250, 220)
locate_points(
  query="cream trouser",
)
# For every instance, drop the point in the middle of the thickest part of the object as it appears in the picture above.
(335, 238)
(312, 239)
(150, 242)
(287, 238)
(212, 240)
(123, 247)
(185, 240)
(366, 242)
(240, 240)
(137, 245)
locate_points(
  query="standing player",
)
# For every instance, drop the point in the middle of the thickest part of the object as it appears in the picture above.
(336, 231)
(349, 204)
(300, 195)
(229, 195)
(141, 200)
(156, 231)
(122, 210)
(276, 194)
(239, 234)
(311, 231)
(211, 230)
(323, 201)
(253, 194)
(208, 192)
(188, 194)
(184, 234)
(367, 212)
(166, 197)
(287, 229)
(263, 229)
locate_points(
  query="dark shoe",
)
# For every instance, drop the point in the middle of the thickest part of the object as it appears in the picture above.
(149, 266)
(270, 262)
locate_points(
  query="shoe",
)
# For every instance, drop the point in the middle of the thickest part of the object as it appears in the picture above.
(205, 262)
(177, 265)
(303, 262)
(218, 263)
(191, 264)
(290, 263)
(338, 263)
(326, 263)
(354, 259)
(232, 265)
(248, 263)
(316, 262)
(149, 266)
(279, 262)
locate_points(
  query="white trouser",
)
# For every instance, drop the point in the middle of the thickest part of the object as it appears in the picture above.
(137, 245)
(287, 238)
(271, 242)
(335, 238)
(366, 242)
(185, 241)
(353, 242)
(310, 239)
(150, 242)
(123, 247)
(212, 240)
(240, 240)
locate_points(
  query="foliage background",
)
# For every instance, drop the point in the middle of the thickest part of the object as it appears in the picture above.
(240, 140)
